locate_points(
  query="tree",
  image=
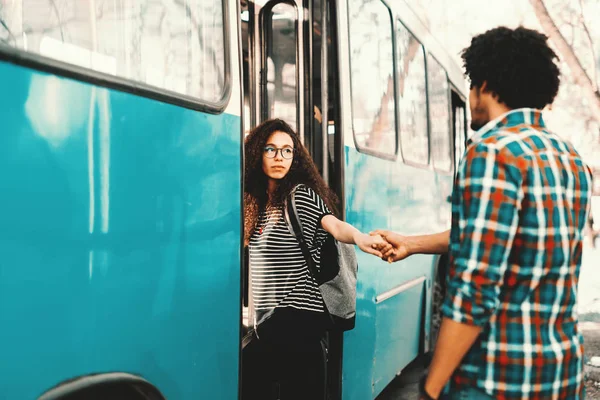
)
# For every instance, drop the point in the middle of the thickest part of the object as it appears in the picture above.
(567, 53)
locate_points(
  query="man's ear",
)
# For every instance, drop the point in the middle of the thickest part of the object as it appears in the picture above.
(484, 89)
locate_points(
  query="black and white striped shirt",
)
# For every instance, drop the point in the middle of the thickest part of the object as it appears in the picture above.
(279, 273)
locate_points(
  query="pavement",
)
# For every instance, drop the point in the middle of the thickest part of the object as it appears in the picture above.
(405, 386)
(591, 335)
(589, 315)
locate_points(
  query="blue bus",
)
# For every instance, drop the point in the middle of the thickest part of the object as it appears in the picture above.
(121, 154)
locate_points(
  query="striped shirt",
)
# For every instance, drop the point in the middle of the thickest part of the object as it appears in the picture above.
(279, 273)
(520, 202)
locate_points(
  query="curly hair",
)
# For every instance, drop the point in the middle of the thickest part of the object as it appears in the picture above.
(302, 171)
(517, 64)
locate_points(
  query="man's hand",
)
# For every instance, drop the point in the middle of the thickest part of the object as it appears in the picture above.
(398, 248)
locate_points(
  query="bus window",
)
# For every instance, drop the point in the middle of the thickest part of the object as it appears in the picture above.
(412, 97)
(372, 74)
(279, 70)
(439, 115)
(174, 46)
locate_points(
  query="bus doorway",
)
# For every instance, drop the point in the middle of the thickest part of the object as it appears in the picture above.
(290, 72)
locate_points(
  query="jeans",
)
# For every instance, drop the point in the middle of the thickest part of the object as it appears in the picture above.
(286, 372)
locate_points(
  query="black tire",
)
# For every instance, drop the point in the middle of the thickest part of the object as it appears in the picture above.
(111, 385)
(438, 292)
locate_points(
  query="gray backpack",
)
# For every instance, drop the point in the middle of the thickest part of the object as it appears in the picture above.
(337, 275)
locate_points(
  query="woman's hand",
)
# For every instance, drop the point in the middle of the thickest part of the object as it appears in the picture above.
(371, 244)
(346, 233)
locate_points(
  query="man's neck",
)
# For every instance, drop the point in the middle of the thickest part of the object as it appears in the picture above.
(497, 109)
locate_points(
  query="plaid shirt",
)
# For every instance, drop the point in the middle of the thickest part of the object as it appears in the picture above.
(520, 202)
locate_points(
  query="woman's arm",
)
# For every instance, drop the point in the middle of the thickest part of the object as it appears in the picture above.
(346, 233)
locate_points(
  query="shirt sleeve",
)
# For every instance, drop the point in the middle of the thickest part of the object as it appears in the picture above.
(311, 209)
(485, 208)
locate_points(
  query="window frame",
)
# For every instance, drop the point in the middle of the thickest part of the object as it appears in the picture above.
(464, 134)
(64, 69)
(449, 122)
(363, 149)
(264, 19)
(428, 164)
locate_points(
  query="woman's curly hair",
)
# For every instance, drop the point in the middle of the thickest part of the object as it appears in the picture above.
(517, 64)
(302, 171)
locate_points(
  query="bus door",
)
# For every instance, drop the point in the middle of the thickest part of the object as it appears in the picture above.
(325, 133)
(273, 62)
(289, 74)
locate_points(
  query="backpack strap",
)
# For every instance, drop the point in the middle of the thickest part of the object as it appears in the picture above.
(295, 226)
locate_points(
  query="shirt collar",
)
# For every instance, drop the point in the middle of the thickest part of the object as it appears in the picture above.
(519, 116)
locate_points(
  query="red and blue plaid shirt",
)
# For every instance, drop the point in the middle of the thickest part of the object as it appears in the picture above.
(520, 202)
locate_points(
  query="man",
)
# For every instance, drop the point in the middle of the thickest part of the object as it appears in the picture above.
(520, 203)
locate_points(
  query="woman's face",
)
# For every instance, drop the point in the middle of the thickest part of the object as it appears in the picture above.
(278, 155)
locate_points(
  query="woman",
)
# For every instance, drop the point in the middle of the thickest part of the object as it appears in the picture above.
(286, 352)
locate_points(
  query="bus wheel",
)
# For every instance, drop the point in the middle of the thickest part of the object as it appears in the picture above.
(438, 292)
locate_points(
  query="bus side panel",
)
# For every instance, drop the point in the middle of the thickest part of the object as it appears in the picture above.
(416, 208)
(119, 239)
(389, 195)
(398, 334)
(366, 205)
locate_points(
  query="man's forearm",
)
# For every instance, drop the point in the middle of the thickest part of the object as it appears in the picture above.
(454, 341)
(436, 243)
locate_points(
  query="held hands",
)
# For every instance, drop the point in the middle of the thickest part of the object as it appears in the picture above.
(387, 245)
(395, 248)
(372, 244)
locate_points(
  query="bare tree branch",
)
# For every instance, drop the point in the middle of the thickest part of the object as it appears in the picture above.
(60, 24)
(49, 29)
(569, 56)
(10, 34)
(591, 43)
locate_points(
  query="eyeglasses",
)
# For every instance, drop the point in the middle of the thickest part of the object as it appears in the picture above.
(286, 152)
